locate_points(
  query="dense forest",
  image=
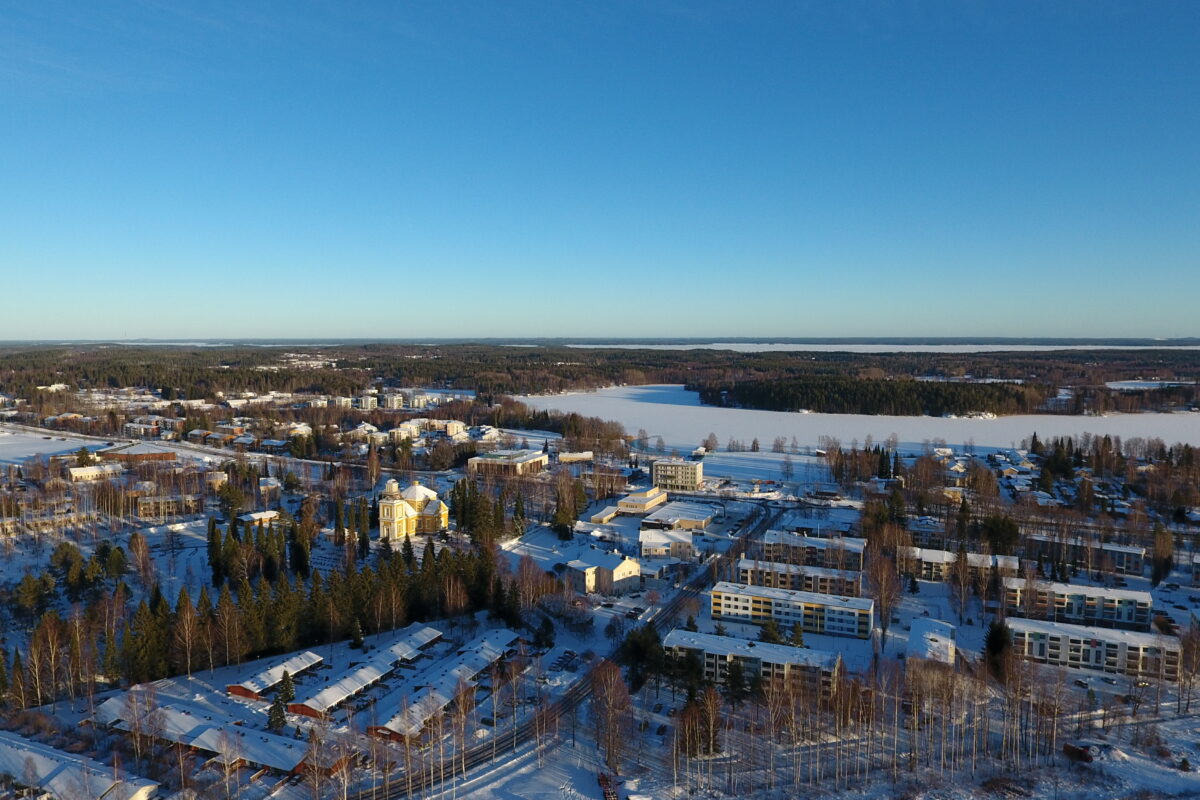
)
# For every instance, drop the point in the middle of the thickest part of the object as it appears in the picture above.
(900, 397)
(966, 379)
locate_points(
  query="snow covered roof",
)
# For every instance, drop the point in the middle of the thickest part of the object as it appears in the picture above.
(796, 569)
(792, 596)
(1080, 542)
(745, 648)
(847, 543)
(440, 683)
(657, 536)
(408, 648)
(418, 492)
(1131, 638)
(930, 556)
(65, 775)
(274, 674)
(405, 648)
(1085, 591)
(678, 510)
(208, 730)
(351, 683)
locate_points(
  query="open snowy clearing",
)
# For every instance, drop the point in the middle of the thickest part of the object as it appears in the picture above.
(17, 445)
(675, 414)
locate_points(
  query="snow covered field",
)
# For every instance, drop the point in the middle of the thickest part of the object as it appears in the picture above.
(16, 445)
(676, 414)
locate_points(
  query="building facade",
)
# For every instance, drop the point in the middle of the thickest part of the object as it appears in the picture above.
(799, 578)
(816, 613)
(812, 672)
(1079, 605)
(677, 474)
(415, 510)
(508, 463)
(1137, 655)
(842, 553)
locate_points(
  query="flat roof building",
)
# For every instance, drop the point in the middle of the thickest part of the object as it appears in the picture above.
(641, 502)
(816, 613)
(1080, 605)
(680, 514)
(1135, 654)
(799, 577)
(814, 671)
(677, 474)
(508, 463)
(840, 552)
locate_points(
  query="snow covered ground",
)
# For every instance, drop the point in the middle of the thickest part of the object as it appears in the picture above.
(17, 445)
(676, 415)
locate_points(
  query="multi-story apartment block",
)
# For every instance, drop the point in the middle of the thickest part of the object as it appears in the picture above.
(1090, 555)
(1082, 605)
(816, 613)
(935, 565)
(814, 672)
(1138, 655)
(798, 577)
(840, 552)
(677, 474)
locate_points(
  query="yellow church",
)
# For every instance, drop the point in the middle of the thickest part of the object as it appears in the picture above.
(415, 510)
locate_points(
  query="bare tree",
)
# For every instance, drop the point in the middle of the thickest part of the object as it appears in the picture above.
(883, 582)
(610, 712)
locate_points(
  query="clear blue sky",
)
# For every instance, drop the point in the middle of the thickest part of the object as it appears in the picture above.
(177, 169)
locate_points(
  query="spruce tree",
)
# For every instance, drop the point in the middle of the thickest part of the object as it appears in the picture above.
(277, 714)
(3, 677)
(287, 688)
(770, 632)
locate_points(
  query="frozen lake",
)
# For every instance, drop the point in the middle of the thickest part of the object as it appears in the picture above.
(676, 414)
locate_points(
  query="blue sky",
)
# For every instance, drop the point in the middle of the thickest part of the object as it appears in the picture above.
(599, 169)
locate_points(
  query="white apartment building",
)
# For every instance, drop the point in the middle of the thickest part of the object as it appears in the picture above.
(816, 613)
(1135, 654)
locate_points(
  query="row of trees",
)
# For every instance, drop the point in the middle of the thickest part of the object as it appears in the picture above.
(835, 394)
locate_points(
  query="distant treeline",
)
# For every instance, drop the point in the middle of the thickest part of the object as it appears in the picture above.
(493, 371)
(900, 397)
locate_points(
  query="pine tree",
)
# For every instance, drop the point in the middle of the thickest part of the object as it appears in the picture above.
(797, 637)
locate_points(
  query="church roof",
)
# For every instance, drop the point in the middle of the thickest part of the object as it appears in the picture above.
(418, 492)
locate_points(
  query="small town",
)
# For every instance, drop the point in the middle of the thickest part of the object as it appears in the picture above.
(281, 594)
(655, 400)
